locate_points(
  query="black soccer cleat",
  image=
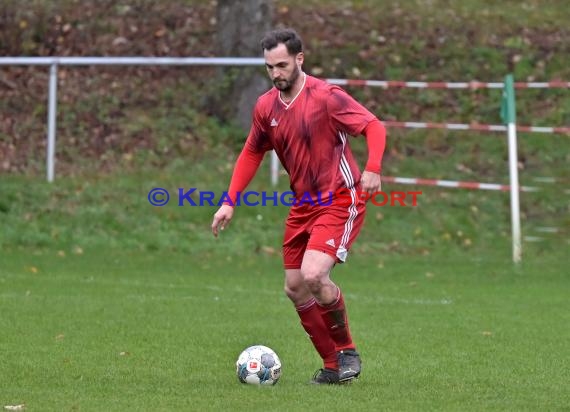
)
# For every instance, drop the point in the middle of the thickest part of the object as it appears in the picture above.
(349, 365)
(325, 377)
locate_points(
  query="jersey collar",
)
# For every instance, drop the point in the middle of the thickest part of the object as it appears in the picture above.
(287, 105)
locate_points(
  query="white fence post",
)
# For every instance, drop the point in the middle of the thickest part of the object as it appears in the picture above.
(508, 114)
(52, 119)
(274, 168)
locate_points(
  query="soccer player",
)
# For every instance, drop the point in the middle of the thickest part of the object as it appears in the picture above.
(307, 122)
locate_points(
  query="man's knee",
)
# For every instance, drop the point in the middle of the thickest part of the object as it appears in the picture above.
(295, 287)
(315, 269)
(295, 292)
(314, 276)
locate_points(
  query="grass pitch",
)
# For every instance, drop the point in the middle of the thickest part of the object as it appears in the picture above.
(106, 330)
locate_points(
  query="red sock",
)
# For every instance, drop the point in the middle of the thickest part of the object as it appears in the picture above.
(312, 322)
(336, 321)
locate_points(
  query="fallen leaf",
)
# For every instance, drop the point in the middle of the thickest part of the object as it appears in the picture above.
(20, 407)
(268, 249)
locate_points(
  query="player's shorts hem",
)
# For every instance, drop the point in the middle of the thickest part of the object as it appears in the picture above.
(331, 253)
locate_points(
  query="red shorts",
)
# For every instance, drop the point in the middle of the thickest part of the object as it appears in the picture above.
(330, 229)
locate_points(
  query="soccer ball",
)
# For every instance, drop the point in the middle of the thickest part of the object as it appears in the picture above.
(258, 365)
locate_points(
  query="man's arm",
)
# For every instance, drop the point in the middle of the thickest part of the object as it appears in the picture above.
(375, 133)
(246, 166)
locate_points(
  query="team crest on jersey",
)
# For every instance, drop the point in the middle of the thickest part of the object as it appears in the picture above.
(274, 122)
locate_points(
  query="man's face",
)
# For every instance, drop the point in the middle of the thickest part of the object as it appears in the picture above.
(283, 69)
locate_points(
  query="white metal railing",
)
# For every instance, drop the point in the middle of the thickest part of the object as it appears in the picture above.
(54, 62)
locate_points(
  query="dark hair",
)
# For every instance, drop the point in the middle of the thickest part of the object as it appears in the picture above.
(288, 37)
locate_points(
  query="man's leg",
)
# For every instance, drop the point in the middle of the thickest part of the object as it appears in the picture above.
(331, 237)
(315, 270)
(310, 316)
(294, 244)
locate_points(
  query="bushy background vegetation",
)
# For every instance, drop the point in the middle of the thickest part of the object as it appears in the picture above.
(110, 117)
(118, 122)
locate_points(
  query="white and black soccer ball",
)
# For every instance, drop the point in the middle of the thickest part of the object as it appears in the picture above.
(258, 365)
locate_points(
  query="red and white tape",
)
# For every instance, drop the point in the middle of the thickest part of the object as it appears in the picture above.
(448, 85)
(481, 127)
(453, 184)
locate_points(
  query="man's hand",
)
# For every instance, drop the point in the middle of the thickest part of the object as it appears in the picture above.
(222, 218)
(370, 182)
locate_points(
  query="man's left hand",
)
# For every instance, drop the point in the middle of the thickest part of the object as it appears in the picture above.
(370, 182)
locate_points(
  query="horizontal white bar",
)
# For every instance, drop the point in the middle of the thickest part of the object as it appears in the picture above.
(447, 183)
(548, 229)
(458, 126)
(340, 82)
(533, 239)
(541, 129)
(154, 61)
(405, 180)
(490, 186)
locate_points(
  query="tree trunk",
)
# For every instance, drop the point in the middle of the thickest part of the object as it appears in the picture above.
(241, 25)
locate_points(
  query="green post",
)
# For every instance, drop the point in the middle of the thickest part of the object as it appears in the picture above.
(508, 108)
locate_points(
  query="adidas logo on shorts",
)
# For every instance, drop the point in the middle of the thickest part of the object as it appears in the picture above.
(330, 242)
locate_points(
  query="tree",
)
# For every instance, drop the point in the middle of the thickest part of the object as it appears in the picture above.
(241, 25)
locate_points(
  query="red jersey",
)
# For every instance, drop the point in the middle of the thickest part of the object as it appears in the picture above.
(310, 136)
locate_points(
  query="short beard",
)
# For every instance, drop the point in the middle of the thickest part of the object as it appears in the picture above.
(286, 85)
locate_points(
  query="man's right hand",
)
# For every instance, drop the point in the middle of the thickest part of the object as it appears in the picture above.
(222, 218)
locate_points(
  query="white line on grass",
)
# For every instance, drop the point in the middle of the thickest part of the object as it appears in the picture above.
(210, 287)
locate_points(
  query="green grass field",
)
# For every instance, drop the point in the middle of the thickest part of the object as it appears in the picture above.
(106, 330)
(111, 304)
